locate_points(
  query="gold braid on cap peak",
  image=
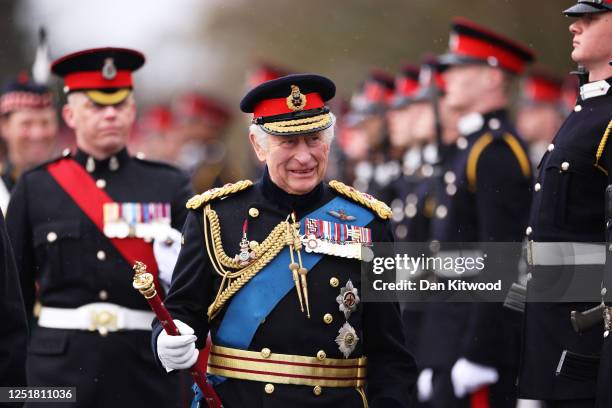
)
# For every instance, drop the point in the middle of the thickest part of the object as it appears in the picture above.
(196, 201)
(381, 209)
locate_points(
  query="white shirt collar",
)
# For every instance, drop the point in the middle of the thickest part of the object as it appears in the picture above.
(593, 89)
(470, 123)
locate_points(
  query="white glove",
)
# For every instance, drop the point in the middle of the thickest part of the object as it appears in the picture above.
(468, 377)
(166, 249)
(177, 352)
(425, 385)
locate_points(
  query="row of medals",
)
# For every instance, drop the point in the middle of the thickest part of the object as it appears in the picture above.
(134, 223)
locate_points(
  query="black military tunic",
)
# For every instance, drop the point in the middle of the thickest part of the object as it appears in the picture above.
(391, 371)
(568, 207)
(484, 197)
(73, 264)
(14, 328)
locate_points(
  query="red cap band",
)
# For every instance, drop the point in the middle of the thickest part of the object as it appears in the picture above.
(480, 49)
(406, 86)
(278, 106)
(542, 91)
(95, 80)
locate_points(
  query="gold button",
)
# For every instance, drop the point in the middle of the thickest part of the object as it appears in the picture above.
(100, 183)
(265, 352)
(52, 236)
(103, 295)
(101, 255)
(253, 245)
(321, 355)
(334, 282)
(328, 318)
(317, 390)
(182, 240)
(253, 212)
(269, 388)
(537, 187)
(565, 166)
(550, 147)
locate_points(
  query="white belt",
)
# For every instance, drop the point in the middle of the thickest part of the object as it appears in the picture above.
(103, 317)
(565, 253)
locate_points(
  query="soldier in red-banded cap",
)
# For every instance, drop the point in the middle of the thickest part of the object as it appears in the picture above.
(559, 362)
(541, 111)
(77, 224)
(479, 365)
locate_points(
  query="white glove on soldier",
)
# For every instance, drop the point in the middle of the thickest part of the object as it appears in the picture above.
(468, 377)
(166, 250)
(177, 352)
(425, 385)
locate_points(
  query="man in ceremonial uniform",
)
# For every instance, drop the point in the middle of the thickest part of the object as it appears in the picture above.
(272, 270)
(483, 197)
(29, 128)
(77, 224)
(559, 364)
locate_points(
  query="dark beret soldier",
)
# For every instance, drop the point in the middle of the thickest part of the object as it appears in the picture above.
(77, 224)
(271, 269)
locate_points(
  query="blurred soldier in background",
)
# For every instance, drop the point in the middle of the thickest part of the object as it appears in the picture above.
(558, 364)
(29, 128)
(368, 126)
(77, 225)
(152, 135)
(541, 111)
(480, 363)
(200, 124)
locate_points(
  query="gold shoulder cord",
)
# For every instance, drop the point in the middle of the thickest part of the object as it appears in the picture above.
(232, 281)
(601, 147)
(381, 209)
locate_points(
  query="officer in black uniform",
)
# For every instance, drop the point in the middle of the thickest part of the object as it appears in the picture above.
(568, 210)
(77, 224)
(14, 328)
(28, 125)
(271, 270)
(484, 197)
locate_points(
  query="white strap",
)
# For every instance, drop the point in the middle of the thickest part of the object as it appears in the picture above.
(565, 253)
(103, 317)
(4, 197)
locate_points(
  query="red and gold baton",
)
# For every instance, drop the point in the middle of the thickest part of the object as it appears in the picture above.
(144, 283)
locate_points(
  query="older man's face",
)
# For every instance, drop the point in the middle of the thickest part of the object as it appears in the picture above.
(295, 163)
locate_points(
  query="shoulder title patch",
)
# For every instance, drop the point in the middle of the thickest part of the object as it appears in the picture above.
(381, 209)
(196, 201)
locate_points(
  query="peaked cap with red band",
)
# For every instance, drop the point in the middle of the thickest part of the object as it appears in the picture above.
(540, 86)
(471, 43)
(291, 105)
(588, 7)
(406, 86)
(198, 106)
(104, 74)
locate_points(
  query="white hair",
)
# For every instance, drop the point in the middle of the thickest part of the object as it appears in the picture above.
(261, 137)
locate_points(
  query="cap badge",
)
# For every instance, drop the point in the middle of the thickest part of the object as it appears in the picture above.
(109, 71)
(296, 101)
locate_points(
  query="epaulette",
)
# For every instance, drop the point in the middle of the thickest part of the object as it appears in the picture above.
(196, 201)
(484, 141)
(381, 209)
